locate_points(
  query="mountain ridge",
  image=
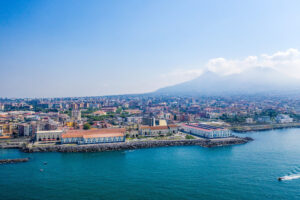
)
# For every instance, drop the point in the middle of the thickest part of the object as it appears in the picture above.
(251, 81)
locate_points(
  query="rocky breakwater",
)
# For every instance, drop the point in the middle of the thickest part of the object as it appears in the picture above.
(10, 161)
(137, 145)
(13, 143)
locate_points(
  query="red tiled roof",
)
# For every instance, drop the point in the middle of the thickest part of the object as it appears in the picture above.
(104, 131)
(104, 135)
(154, 127)
(159, 127)
(173, 126)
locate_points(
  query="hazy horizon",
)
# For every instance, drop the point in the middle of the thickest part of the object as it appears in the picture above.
(97, 48)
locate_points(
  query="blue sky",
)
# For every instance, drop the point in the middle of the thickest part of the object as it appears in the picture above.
(53, 48)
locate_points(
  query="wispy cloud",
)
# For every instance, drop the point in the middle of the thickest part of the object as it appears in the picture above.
(287, 62)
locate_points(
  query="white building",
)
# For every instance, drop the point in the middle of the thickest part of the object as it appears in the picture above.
(284, 119)
(207, 131)
(76, 115)
(249, 120)
(158, 130)
(54, 135)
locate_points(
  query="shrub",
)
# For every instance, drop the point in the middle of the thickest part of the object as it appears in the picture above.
(189, 137)
(86, 126)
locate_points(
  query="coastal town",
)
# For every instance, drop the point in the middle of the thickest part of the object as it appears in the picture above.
(119, 119)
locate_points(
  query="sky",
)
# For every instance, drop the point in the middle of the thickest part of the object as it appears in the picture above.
(63, 48)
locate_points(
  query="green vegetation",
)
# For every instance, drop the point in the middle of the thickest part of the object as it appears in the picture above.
(91, 118)
(119, 110)
(124, 114)
(88, 111)
(189, 137)
(67, 112)
(295, 116)
(86, 126)
(269, 112)
(233, 119)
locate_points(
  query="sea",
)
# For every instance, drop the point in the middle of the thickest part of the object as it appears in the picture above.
(247, 171)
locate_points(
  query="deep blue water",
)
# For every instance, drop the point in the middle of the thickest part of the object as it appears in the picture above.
(246, 171)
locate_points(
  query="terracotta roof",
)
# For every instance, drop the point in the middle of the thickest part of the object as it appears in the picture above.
(173, 126)
(144, 127)
(104, 135)
(133, 111)
(99, 112)
(154, 127)
(5, 137)
(81, 133)
(159, 127)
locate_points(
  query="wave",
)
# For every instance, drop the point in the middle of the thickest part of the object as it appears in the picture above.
(294, 171)
(297, 169)
(129, 151)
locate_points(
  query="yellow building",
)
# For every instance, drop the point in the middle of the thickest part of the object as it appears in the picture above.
(6, 129)
(69, 124)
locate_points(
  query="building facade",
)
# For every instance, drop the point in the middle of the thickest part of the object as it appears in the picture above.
(107, 135)
(76, 115)
(284, 119)
(53, 135)
(24, 129)
(158, 130)
(206, 131)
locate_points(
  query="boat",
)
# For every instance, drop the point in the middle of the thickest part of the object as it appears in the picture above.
(280, 179)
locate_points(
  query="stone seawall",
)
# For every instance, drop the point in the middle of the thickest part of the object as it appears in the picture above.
(14, 143)
(265, 127)
(137, 145)
(10, 161)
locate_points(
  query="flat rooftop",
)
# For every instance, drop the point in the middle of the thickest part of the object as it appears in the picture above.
(51, 131)
(204, 127)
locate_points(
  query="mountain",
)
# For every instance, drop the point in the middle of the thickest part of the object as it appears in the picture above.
(252, 81)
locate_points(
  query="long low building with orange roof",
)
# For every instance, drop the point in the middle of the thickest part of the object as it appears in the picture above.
(106, 135)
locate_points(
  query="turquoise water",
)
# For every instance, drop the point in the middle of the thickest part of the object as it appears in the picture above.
(246, 171)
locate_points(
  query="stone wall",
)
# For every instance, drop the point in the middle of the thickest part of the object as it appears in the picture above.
(136, 145)
(10, 161)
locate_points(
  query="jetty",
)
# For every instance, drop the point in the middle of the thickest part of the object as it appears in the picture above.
(16, 160)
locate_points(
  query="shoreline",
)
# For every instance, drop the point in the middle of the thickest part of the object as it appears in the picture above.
(137, 145)
(262, 127)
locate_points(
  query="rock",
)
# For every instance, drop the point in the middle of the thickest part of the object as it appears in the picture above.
(10, 161)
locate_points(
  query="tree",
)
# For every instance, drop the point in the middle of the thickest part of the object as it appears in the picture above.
(86, 126)
(119, 110)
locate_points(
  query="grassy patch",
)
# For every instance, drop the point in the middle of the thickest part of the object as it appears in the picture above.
(189, 137)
